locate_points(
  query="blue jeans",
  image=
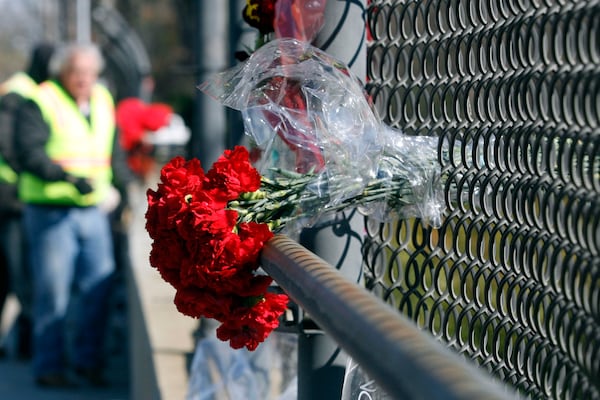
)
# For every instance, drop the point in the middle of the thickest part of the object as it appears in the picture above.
(70, 249)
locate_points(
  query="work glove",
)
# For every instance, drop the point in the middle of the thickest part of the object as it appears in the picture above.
(83, 185)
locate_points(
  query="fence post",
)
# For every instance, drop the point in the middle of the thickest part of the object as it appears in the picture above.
(209, 126)
(337, 240)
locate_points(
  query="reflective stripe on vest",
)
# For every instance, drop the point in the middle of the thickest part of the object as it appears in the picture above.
(81, 148)
(21, 84)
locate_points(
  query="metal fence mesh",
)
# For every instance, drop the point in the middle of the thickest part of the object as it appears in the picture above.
(512, 277)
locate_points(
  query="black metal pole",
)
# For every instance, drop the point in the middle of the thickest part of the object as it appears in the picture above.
(212, 47)
(63, 18)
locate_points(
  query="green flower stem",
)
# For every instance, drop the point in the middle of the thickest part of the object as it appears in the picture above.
(283, 200)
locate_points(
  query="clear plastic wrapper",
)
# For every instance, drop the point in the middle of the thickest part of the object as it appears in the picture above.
(300, 19)
(412, 160)
(359, 386)
(307, 113)
(220, 372)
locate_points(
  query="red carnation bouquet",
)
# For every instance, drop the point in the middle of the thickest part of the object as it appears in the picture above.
(208, 251)
(322, 149)
(208, 230)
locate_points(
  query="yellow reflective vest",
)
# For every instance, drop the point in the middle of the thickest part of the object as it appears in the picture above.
(82, 148)
(21, 84)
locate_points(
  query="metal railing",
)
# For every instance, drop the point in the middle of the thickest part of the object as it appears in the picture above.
(405, 362)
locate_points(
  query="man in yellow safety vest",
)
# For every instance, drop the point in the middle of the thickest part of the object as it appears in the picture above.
(67, 151)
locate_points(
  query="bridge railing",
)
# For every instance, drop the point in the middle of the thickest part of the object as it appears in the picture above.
(404, 361)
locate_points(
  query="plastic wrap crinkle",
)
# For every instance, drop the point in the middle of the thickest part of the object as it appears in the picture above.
(306, 112)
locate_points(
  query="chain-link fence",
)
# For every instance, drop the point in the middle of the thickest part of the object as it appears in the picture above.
(512, 277)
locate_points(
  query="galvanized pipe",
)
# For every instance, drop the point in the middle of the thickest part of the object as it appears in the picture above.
(405, 362)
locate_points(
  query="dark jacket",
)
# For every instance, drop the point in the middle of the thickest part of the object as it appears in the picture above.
(32, 133)
(9, 105)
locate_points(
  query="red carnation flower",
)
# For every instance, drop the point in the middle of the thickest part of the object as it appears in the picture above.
(197, 303)
(250, 326)
(203, 218)
(180, 181)
(168, 255)
(233, 174)
(253, 237)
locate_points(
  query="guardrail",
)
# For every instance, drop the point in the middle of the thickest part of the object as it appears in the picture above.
(405, 362)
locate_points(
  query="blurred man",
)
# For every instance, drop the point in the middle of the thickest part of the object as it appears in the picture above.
(13, 93)
(66, 139)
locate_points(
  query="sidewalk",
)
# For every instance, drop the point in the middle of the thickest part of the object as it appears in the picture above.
(162, 338)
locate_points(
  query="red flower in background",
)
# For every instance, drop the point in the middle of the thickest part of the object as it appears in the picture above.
(134, 118)
(204, 249)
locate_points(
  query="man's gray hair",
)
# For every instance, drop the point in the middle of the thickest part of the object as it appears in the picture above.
(61, 58)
